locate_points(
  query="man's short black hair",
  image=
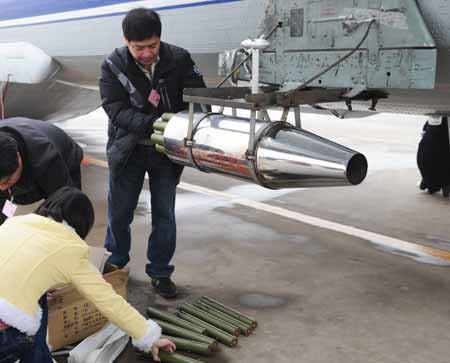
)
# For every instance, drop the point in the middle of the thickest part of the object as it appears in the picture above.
(141, 24)
(8, 155)
(71, 205)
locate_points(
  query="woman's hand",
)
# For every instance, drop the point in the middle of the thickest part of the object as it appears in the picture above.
(165, 344)
(52, 292)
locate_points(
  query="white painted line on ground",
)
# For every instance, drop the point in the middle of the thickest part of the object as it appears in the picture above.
(393, 245)
(418, 252)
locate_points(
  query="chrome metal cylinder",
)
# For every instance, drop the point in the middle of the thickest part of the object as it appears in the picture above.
(285, 157)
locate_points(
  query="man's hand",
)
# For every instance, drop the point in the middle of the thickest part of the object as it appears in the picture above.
(165, 344)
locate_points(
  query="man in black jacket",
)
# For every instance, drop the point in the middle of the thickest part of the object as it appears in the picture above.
(433, 156)
(36, 159)
(140, 82)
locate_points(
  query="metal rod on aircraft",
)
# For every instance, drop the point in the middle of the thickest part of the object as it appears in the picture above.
(263, 36)
(340, 60)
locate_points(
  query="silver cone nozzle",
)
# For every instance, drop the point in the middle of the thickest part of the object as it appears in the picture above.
(285, 157)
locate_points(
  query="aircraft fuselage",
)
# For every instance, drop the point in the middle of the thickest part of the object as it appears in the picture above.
(78, 35)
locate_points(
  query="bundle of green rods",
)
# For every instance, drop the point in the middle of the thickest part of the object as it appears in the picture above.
(158, 135)
(199, 327)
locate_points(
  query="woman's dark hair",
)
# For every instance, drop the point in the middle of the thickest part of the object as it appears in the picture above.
(71, 205)
(141, 24)
(8, 151)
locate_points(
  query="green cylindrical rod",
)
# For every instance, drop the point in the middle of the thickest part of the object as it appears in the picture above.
(202, 304)
(182, 333)
(244, 328)
(161, 149)
(220, 335)
(190, 345)
(158, 139)
(159, 126)
(234, 330)
(167, 357)
(230, 311)
(171, 318)
(167, 116)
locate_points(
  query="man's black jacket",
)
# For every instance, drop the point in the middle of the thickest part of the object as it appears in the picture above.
(50, 159)
(129, 124)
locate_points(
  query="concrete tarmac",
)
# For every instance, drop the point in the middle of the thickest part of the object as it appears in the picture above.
(365, 280)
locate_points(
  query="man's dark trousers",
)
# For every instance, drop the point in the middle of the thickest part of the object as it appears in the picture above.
(123, 197)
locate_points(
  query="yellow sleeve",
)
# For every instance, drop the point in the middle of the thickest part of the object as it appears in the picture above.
(90, 283)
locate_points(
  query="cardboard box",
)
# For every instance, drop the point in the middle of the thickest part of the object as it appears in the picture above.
(72, 318)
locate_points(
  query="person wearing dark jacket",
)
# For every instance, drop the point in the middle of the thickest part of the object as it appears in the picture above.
(139, 82)
(37, 158)
(433, 156)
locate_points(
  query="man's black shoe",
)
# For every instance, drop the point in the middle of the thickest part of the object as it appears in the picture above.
(422, 185)
(164, 287)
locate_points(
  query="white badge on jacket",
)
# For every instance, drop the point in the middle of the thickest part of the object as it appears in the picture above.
(9, 209)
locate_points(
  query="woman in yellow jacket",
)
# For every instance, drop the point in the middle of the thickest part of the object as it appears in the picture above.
(45, 250)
